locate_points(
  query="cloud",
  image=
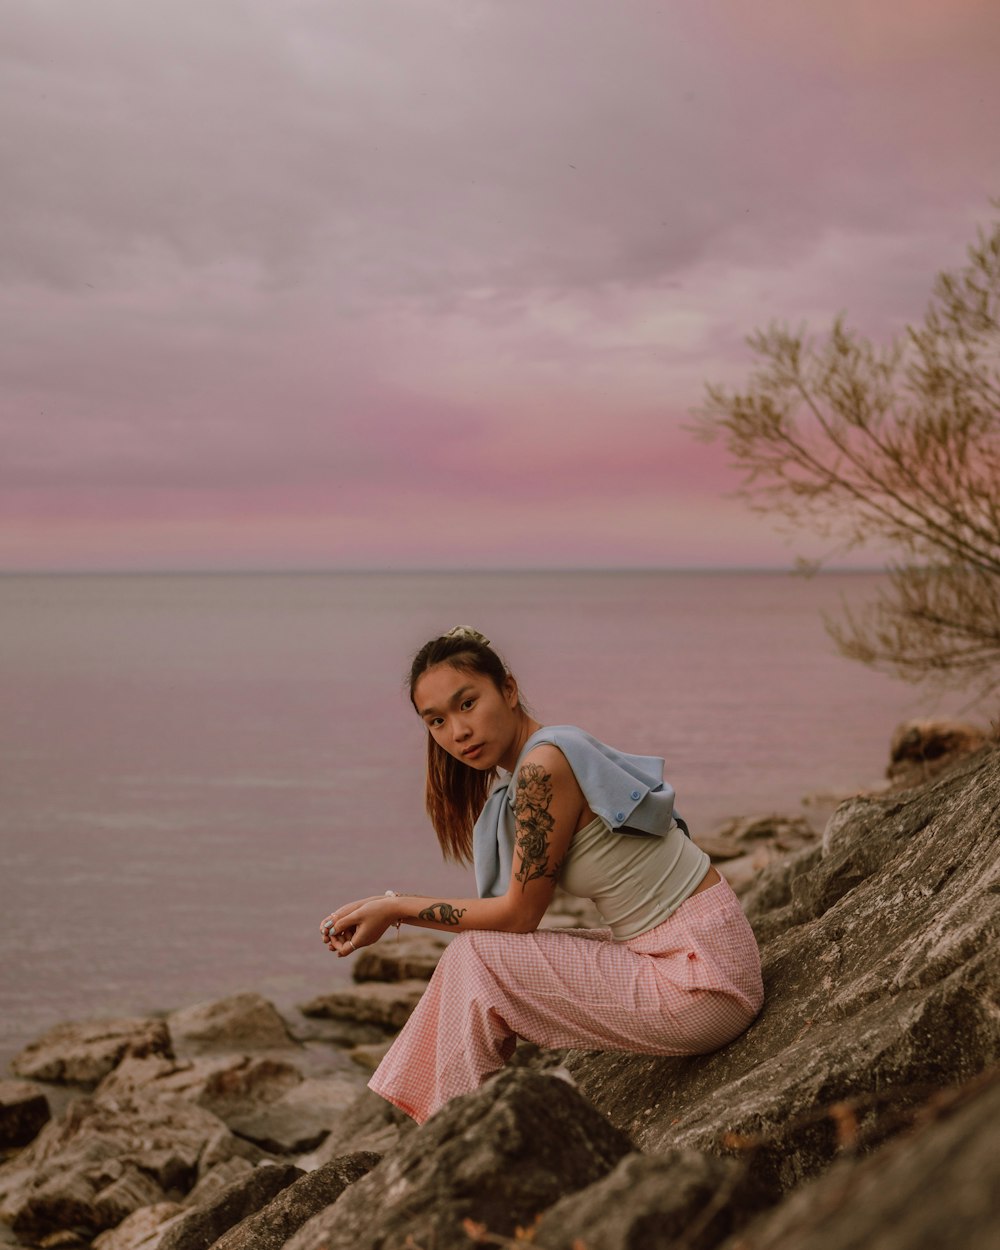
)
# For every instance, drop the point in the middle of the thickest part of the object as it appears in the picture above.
(267, 261)
(420, 147)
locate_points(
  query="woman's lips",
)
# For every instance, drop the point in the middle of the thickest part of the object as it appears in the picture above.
(470, 753)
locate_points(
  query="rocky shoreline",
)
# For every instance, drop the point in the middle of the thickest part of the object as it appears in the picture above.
(861, 1108)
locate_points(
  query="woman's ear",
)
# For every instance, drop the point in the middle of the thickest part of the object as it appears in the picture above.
(510, 691)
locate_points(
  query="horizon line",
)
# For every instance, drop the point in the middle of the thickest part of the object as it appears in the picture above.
(438, 570)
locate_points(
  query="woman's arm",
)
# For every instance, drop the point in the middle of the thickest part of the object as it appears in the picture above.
(548, 804)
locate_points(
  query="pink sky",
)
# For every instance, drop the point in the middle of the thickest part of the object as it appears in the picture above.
(385, 283)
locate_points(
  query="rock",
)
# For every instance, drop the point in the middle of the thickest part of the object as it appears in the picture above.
(937, 1188)
(921, 748)
(741, 873)
(881, 980)
(65, 1239)
(369, 1057)
(72, 1173)
(204, 1225)
(83, 1053)
(9, 1240)
(403, 959)
(250, 1083)
(538, 1058)
(214, 1180)
(58, 1203)
(497, 1157)
(740, 849)
(236, 1024)
(223, 1146)
(271, 1227)
(369, 1124)
(229, 1082)
(386, 1004)
(767, 897)
(301, 1119)
(328, 1062)
(567, 911)
(130, 1191)
(654, 1202)
(134, 1073)
(23, 1110)
(140, 1230)
(736, 837)
(225, 1084)
(337, 1032)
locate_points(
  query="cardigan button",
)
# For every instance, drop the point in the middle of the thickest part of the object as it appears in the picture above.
(635, 794)
(619, 815)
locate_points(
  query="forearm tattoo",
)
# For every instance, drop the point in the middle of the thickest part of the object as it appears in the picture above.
(449, 914)
(534, 823)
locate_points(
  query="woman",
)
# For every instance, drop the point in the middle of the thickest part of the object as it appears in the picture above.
(676, 973)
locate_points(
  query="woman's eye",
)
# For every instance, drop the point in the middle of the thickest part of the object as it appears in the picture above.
(467, 704)
(435, 722)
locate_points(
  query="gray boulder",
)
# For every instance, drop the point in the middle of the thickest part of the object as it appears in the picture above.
(370, 1056)
(102, 1159)
(934, 1188)
(741, 848)
(654, 1202)
(272, 1226)
(326, 1031)
(131, 1190)
(497, 1157)
(403, 959)
(213, 1180)
(882, 983)
(301, 1118)
(266, 1096)
(200, 1227)
(224, 1146)
(83, 1053)
(239, 1023)
(139, 1231)
(386, 1004)
(223, 1083)
(368, 1124)
(24, 1109)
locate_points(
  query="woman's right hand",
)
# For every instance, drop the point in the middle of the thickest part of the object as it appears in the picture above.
(342, 943)
(360, 923)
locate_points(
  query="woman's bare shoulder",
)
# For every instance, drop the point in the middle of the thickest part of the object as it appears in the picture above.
(546, 755)
(548, 759)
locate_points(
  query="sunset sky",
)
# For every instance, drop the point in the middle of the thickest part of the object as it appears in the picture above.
(438, 283)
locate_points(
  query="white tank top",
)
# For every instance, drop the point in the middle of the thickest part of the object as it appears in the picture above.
(635, 881)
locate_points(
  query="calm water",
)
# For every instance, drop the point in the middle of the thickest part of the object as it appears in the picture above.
(195, 769)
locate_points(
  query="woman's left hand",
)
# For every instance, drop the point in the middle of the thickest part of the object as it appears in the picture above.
(358, 924)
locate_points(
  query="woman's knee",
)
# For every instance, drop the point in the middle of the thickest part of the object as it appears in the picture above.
(457, 948)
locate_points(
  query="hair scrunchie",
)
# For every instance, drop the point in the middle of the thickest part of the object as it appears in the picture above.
(466, 631)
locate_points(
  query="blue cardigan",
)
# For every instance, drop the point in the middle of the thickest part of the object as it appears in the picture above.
(627, 792)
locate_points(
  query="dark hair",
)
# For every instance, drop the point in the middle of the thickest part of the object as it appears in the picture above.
(455, 793)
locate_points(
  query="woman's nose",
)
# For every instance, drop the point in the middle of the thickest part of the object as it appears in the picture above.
(462, 730)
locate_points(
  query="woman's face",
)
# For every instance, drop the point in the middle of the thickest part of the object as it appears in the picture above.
(468, 717)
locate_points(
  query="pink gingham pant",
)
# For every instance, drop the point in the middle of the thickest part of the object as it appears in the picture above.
(687, 987)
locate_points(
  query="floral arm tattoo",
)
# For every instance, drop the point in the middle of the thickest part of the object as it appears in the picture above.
(534, 823)
(449, 914)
